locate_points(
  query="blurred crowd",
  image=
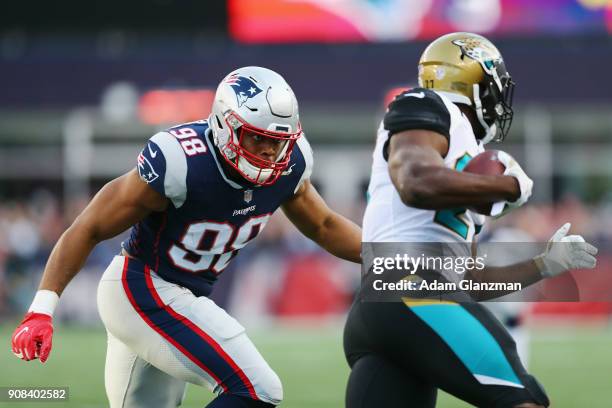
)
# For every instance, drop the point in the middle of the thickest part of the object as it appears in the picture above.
(29, 228)
(280, 274)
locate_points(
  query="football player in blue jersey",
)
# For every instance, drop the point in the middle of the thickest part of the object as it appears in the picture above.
(201, 191)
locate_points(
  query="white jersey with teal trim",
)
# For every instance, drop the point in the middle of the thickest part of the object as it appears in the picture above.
(388, 219)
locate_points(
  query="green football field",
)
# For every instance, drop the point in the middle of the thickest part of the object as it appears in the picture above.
(574, 364)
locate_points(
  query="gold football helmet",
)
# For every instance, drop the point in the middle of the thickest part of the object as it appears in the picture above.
(469, 69)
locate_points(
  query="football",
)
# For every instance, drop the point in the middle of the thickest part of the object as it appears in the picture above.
(486, 163)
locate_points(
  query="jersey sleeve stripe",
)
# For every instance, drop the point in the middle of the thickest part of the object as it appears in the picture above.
(306, 150)
(175, 180)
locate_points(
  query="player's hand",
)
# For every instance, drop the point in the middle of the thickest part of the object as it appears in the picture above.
(479, 219)
(32, 338)
(565, 252)
(513, 169)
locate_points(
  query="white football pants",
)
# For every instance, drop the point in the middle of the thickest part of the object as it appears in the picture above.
(161, 336)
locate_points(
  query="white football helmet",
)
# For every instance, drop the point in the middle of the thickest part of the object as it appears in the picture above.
(259, 101)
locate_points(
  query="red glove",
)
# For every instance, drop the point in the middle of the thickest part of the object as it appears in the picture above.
(32, 338)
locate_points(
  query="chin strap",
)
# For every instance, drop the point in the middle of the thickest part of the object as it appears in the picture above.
(490, 131)
(256, 174)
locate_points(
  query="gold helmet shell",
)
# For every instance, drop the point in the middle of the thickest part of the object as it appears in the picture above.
(469, 69)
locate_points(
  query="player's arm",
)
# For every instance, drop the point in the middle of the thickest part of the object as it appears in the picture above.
(418, 173)
(419, 124)
(118, 205)
(333, 232)
(563, 253)
(526, 273)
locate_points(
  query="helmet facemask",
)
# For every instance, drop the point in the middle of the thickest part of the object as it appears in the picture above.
(493, 99)
(255, 169)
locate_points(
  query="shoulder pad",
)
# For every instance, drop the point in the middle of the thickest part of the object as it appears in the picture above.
(162, 164)
(418, 108)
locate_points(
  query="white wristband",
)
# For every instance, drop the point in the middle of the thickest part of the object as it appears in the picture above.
(44, 302)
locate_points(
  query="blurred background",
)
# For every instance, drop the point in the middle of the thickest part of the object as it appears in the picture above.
(83, 85)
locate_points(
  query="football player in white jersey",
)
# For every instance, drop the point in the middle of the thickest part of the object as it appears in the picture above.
(200, 192)
(401, 352)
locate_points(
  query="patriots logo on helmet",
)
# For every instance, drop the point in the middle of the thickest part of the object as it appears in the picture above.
(145, 169)
(244, 88)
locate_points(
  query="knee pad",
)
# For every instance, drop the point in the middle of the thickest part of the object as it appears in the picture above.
(269, 387)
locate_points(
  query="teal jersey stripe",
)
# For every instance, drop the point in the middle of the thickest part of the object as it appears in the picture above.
(453, 218)
(469, 340)
(462, 162)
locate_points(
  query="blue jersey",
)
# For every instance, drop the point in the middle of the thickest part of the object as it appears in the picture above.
(210, 217)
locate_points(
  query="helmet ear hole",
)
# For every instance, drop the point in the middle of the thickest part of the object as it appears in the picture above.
(218, 121)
